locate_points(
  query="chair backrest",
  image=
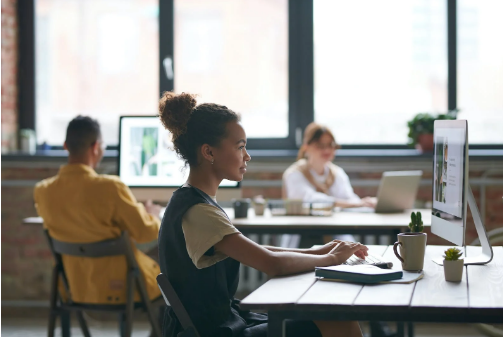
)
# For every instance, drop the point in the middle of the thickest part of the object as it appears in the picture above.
(94, 249)
(171, 298)
(112, 247)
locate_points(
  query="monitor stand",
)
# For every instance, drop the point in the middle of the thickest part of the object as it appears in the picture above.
(487, 250)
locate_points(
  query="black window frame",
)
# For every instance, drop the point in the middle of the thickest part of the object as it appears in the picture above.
(300, 71)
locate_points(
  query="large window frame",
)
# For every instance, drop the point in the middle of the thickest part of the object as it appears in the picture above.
(300, 70)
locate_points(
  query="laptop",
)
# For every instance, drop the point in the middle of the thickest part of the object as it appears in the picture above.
(397, 192)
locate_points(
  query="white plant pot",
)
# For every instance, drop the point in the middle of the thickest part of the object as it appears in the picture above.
(453, 270)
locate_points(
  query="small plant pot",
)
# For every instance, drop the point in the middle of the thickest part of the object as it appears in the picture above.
(259, 208)
(425, 143)
(453, 270)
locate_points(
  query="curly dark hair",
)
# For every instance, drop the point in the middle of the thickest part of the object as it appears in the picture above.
(193, 125)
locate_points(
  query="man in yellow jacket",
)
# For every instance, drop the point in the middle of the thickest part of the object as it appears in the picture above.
(79, 205)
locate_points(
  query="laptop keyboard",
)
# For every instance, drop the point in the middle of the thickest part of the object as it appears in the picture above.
(370, 259)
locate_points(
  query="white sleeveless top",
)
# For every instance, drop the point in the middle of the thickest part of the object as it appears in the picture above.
(297, 186)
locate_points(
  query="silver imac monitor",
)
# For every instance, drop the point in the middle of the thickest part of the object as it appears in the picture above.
(451, 189)
(450, 177)
(148, 163)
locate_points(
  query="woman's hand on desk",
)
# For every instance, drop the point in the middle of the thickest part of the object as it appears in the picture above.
(369, 202)
(344, 249)
(328, 247)
(325, 249)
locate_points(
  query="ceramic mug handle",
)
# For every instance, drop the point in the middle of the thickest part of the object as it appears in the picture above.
(395, 246)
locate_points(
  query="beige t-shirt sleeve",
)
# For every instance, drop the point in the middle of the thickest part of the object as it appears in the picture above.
(203, 226)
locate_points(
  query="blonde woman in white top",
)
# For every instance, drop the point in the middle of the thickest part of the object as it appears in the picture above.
(315, 178)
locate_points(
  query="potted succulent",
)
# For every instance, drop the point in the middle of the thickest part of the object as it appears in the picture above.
(412, 245)
(453, 265)
(416, 223)
(421, 129)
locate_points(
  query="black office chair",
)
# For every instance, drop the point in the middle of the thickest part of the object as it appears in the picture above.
(63, 305)
(171, 299)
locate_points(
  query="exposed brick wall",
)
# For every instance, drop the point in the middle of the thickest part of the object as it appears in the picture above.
(9, 75)
(26, 259)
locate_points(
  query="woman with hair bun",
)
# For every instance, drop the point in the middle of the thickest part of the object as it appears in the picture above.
(200, 251)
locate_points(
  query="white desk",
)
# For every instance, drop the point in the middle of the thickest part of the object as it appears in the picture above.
(338, 223)
(478, 298)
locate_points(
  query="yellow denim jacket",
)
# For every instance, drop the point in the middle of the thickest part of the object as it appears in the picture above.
(79, 205)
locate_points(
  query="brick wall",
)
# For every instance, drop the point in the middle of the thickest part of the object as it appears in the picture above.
(26, 260)
(9, 75)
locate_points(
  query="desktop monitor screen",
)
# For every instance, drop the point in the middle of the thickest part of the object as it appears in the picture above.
(450, 176)
(147, 157)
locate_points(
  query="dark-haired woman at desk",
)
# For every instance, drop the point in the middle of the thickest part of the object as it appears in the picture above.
(200, 250)
(314, 178)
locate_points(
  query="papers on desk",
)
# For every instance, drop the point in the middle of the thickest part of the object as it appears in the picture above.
(366, 274)
(357, 210)
(408, 277)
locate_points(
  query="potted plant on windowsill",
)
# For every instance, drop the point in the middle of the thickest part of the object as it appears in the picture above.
(421, 129)
(453, 265)
(412, 245)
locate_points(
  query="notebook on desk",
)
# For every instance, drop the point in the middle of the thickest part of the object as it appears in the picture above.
(358, 273)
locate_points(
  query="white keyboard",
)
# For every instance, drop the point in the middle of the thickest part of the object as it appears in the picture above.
(373, 260)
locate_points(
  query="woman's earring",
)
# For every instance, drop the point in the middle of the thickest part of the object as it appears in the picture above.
(212, 161)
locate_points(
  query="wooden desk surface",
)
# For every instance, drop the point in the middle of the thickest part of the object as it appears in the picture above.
(477, 298)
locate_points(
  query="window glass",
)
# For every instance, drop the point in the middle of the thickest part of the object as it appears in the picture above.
(96, 58)
(235, 53)
(377, 64)
(480, 69)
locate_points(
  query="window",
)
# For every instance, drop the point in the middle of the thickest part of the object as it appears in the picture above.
(480, 69)
(376, 65)
(96, 58)
(363, 68)
(235, 53)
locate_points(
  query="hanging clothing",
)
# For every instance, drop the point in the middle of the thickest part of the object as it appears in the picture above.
(79, 205)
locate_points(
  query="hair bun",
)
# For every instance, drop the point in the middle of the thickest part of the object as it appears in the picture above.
(175, 111)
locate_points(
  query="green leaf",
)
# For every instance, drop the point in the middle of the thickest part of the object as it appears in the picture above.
(452, 254)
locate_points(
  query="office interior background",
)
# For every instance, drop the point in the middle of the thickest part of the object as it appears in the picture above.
(363, 68)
